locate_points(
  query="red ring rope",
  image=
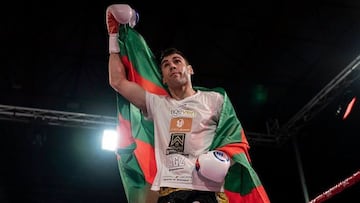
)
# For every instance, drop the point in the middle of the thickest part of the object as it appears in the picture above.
(337, 188)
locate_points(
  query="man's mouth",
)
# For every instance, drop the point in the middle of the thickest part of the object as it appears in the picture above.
(174, 74)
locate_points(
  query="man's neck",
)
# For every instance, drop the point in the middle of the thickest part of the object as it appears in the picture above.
(182, 93)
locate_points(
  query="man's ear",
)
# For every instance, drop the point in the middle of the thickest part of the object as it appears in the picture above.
(189, 67)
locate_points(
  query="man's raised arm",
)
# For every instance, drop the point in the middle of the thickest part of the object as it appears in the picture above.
(116, 15)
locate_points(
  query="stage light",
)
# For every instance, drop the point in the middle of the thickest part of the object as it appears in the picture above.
(109, 140)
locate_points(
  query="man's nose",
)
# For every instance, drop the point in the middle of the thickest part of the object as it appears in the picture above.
(172, 66)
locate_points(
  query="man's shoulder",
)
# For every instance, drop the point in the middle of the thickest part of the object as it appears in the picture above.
(156, 96)
(220, 90)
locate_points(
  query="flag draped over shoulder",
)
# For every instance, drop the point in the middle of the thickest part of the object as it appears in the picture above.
(136, 158)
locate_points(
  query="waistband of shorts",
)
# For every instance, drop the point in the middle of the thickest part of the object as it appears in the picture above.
(167, 190)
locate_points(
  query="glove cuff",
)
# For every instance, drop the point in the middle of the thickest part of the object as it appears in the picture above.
(134, 18)
(113, 44)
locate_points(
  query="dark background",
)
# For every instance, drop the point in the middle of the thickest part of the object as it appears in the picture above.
(286, 65)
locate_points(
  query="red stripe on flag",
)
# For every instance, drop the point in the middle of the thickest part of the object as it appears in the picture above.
(147, 163)
(257, 194)
(237, 148)
(133, 75)
(124, 134)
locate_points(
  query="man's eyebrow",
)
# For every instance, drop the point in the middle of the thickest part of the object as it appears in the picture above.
(174, 57)
(162, 62)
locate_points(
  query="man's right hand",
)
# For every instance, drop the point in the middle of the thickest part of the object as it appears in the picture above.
(117, 14)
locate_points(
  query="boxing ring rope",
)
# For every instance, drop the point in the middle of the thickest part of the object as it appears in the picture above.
(348, 182)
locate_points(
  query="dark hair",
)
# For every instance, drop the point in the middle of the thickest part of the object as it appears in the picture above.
(169, 51)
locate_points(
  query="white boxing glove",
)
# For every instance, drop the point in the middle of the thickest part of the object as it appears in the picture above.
(213, 165)
(117, 14)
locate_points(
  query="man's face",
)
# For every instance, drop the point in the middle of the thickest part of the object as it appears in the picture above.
(175, 70)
